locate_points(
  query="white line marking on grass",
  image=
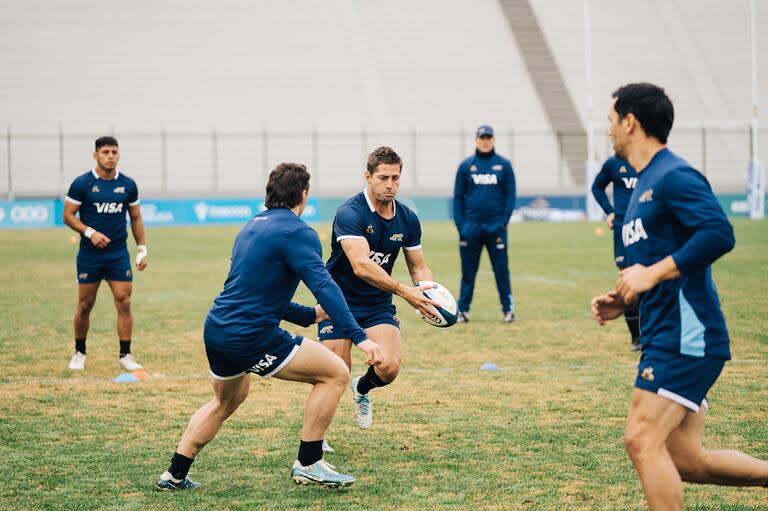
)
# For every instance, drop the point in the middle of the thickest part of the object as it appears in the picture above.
(535, 278)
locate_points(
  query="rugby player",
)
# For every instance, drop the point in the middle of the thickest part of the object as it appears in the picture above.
(623, 176)
(369, 230)
(673, 230)
(102, 197)
(271, 254)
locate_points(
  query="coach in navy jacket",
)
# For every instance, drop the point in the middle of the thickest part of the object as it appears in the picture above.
(483, 200)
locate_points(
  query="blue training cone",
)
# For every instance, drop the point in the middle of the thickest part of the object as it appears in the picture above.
(489, 366)
(125, 378)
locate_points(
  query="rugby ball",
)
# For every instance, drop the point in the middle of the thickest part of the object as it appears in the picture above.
(448, 312)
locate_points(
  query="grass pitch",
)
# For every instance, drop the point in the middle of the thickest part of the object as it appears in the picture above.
(542, 432)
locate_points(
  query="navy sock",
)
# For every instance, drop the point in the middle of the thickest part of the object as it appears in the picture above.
(125, 347)
(632, 317)
(310, 452)
(370, 380)
(180, 466)
(80, 345)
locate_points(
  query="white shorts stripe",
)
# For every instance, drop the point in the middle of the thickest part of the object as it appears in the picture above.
(282, 364)
(73, 201)
(677, 398)
(225, 378)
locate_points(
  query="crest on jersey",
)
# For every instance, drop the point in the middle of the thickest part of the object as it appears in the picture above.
(119, 189)
(473, 168)
(95, 189)
(83, 276)
(623, 170)
(498, 167)
(369, 229)
(647, 196)
(396, 237)
(647, 374)
(327, 329)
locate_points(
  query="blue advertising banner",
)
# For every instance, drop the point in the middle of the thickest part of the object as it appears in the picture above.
(210, 211)
(25, 214)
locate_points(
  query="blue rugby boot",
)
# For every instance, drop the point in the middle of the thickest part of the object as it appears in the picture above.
(166, 483)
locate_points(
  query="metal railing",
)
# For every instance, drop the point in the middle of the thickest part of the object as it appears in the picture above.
(219, 162)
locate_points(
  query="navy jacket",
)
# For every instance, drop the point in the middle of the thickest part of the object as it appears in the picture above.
(484, 191)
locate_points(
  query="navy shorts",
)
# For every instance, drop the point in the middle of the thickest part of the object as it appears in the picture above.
(619, 252)
(265, 358)
(92, 268)
(366, 318)
(681, 378)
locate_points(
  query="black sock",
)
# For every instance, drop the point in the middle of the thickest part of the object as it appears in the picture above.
(370, 380)
(80, 345)
(632, 317)
(180, 466)
(125, 347)
(310, 452)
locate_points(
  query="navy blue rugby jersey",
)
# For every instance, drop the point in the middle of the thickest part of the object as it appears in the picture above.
(270, 255)
(624, 178)
(103, 206)
(357, 218)
(674, 212)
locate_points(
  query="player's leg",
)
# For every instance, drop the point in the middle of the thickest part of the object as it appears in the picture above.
(651, 421)
(202, 428)
(496, 244)
(387, 336)
(704, 466)
(342, 348)
(121, 292)
(328, 375)
(86, 298)
(631, 316)
(470, 248)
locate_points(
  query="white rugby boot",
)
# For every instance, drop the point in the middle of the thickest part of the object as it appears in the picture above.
(128, 363)
(363, 407)
(77, 362)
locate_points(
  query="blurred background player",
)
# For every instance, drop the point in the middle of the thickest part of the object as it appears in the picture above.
(102, 196)
(270, 255)
(483, 200)
(623, 176)
(674, 229)
(368, 232)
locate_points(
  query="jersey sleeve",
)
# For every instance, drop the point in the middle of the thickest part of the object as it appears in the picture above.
(510, 191)
(690, 200)
(303, 253)
(133, 194)
(413, 242)
(76, 193)
(299, 314)
(459, 191)
(602, 179)
(348, 224)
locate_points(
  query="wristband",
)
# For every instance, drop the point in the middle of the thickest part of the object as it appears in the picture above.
(89, 232)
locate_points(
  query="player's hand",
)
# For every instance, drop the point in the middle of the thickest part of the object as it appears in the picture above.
(99, 240)
(372, 351)
(607, 307)
(320, 314)
(609, 220)
(415, 297)
(141, 257)
(634, 280)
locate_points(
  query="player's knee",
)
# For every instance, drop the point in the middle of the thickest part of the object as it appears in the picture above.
(339, 374)
(636, 443)
(388, 370)
(84, 306)
(123, 302)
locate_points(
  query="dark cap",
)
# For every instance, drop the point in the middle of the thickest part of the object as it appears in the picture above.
(484, 131)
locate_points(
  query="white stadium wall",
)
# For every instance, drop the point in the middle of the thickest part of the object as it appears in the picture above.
(206, 97)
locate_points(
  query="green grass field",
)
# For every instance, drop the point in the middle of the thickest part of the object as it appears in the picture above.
(543, 432)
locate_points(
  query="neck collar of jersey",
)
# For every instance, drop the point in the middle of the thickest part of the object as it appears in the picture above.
(370, 204)
(490, 153)
(97, 176)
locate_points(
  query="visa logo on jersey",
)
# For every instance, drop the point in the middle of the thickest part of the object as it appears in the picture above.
(484, 179)
(630, 182)
(633, 231)
(109, 207)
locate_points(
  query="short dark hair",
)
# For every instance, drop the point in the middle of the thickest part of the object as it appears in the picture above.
(650, 105)
(102, 141)
(385, 155)
(285, 185)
